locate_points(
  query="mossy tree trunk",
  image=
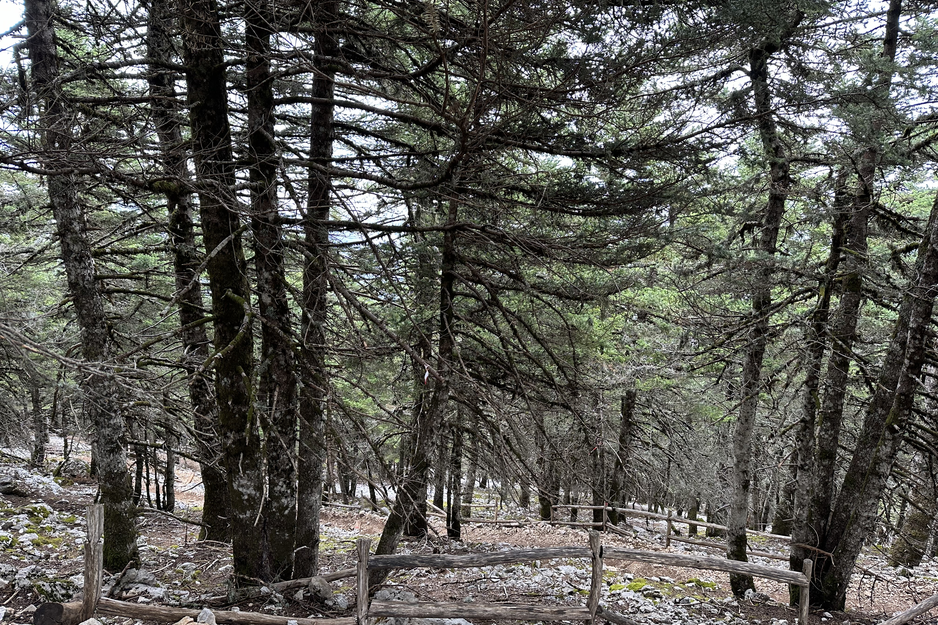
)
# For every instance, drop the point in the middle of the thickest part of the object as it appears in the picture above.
(161, 27)
(761, 298)
(101, 393)
(233, 356)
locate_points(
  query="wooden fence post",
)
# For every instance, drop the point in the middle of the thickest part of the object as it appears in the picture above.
(596, 583)
(804, 596)
(363, 546)
(94, 560)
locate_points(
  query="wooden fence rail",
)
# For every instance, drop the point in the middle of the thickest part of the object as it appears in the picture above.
(74, 613)
(517, 611)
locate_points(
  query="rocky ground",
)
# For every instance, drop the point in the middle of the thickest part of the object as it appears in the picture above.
(42, 529)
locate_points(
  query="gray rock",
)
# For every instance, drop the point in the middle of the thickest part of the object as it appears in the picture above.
(320, 589)
(55, 590)
(206, 616)
(8, 485)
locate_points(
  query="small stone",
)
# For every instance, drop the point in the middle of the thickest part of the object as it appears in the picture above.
(91, 621)
(206, 616)
(320, 589)
(299, 595)
(827, 615)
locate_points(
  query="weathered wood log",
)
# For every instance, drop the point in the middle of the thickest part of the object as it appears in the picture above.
(70, 614)
(911, 613)
(94, 560)
(705, 562)
(363, 546)
(58, 614)
(805, 594)
(472, 560)
(165, 614)
(629, 512)
(576, 524)
(596, 581)
(499, 611)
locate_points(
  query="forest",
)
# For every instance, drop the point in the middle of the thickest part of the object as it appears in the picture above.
(683, 254)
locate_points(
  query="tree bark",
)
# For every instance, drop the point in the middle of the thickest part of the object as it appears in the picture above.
(411, 495)
(779, 186)
(161, 24)
(313, 342)
(912, 541)
(884, 424)
(626, 419)
(277, 388)
(454, 492)
(101, 394)
(812, 524)
(468, 489)
(227, 271)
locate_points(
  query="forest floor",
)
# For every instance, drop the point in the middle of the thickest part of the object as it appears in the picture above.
(42, 529)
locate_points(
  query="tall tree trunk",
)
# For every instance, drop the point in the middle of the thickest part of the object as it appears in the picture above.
(626, 419)
(315, 390)
(169, 474)
(161, 24)
(779, 186)
(468, 489)
(227, 271)
(411, 494)
(855, 511)
(548, 482)
(101, 393)
(812, 525)
(454, 491)
(277, 389)
(40, 426)
(439, 471)
(792, 513)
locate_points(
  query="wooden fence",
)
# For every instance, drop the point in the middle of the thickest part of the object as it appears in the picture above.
(367, 610)
(516, 611)
(669, 534)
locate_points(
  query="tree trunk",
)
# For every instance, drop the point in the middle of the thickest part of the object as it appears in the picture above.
(454, 494)
(186, 261)
(439, 472)
(169, 473)
(411, 496)
(811, 526)
(693, 510)
(885, 421)
(101, 393)
(277, 384)
(40, 426)
(626, 419)
(315, 390)
(468, 489)
(548, 483)
(780, 183)
(227, 271)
